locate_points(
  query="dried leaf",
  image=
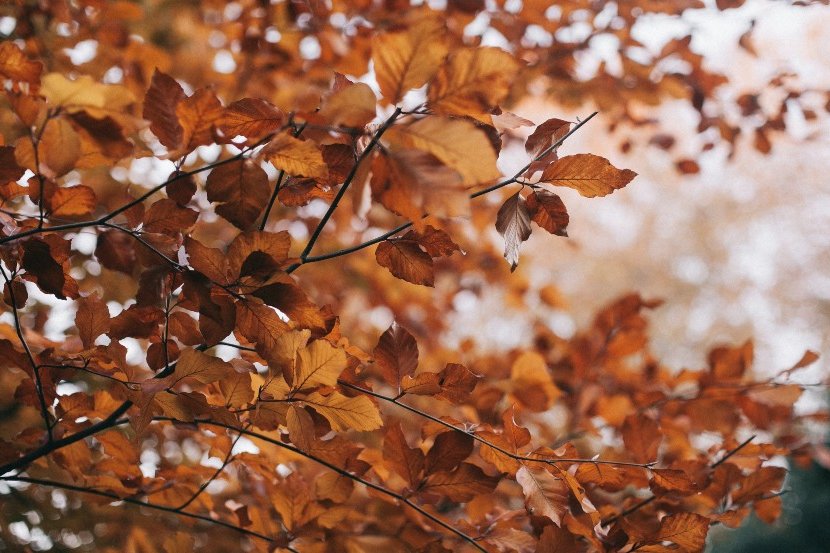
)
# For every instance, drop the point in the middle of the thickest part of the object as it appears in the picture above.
(513, 223)
(588, 174)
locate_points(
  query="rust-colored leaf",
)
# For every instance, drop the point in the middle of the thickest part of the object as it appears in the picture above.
(406, 260)
(242, 189)
(396, 354)
(588, 174)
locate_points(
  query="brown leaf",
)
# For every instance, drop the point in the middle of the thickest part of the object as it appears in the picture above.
(92, 319)
(115, 250)
(688, 530)
(588, 174)
(547, 210)
(60, 147)
(435, 242)
(9, 169)
(408, 462)
(198, 115)
(298, 158)
(532, 382)
(258, 253)
(422, 384)
(319, 363)
(543, 138)
(160, 105)
(408, 59)
(242, 188)
(346, 413)
(396, 355)
(165, 216)
(72, 201)
(46, 261)
(14, 64)
(413, 183)
(447, 452)
(545, 495)
(457, 383)
(472, 81)
(406, 260)
(457, 143)
(250, 117)
(642, 437)
(460, 485)
(352, 106)
(513, 223)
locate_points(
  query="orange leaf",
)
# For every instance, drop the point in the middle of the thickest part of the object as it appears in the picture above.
(547, 210)
(92, 319)
(545, 495)
(160, 104)
(406, 260)
(14, 64)
(642, 437)
(242, 187)
(296, 157)
(588, 174)
(472, 81)
(408, 59)
(250, 117)
(396, 354)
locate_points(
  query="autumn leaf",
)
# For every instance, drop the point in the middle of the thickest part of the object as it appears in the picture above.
(547, 210)
(351, 106)
(545, 136)
(193, 365)
(296, 157)
(242, 188)
(642, 437)
(92, 319)
(408, 59)
(513, 223)
(198, 115)
(396, 354)
(458, 144)
(472, 81)
(408, 462)
(250, 117)
(15, 66)
(319, 363)
(545, 495)
(588, 174)
(461, 484)
(687, 530)
(160, 105)
(345, 413)
(406, 260)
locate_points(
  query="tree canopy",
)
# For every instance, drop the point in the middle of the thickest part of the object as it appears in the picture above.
(232, 234)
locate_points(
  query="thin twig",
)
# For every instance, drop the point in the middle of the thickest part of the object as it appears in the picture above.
(44, 410)
(276, 191)
(483, 441)
(347, 181)
(206, 483)
(340, 471)
(306, 259)
(133, 501)
(646, 501)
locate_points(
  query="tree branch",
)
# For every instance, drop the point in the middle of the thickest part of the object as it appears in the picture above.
(483, 441)
(276, 191)
(44, 410)
(348, 180)
(306, 259)
(646, 501)
(133, 501)
(341, 472)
